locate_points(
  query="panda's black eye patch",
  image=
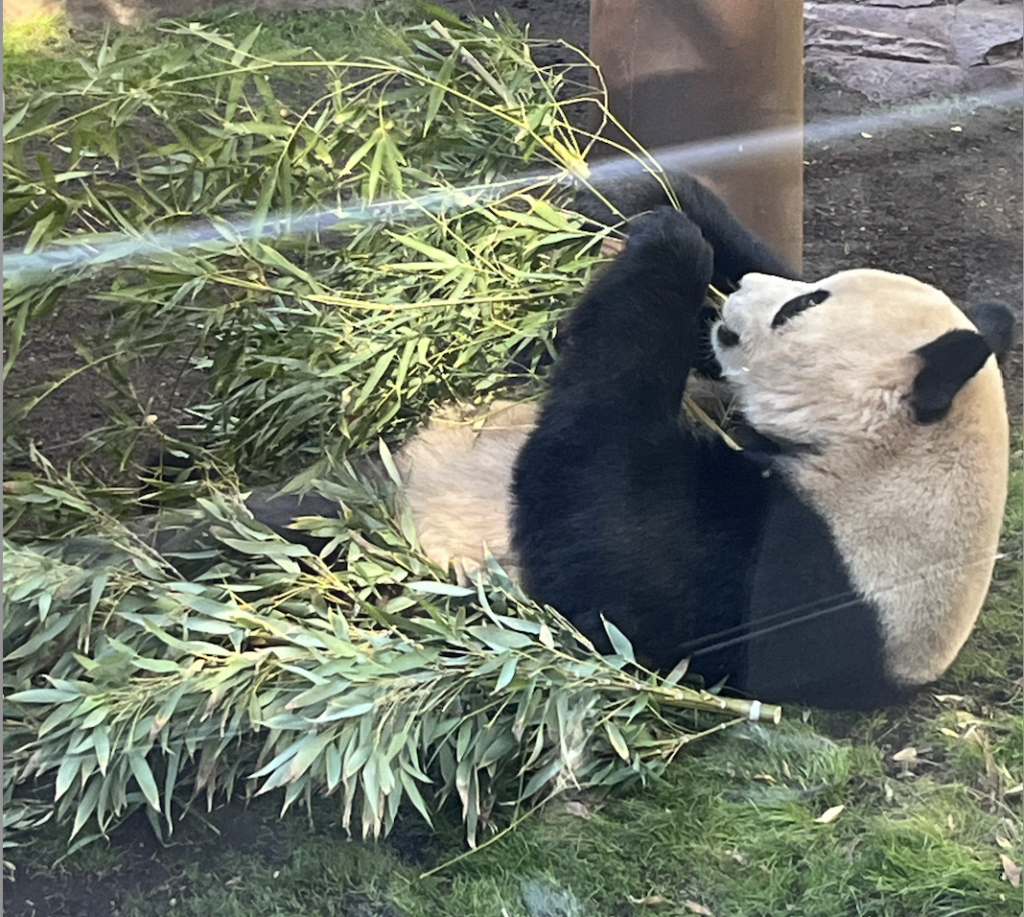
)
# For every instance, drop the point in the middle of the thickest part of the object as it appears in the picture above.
(727, 337)
(798, 305)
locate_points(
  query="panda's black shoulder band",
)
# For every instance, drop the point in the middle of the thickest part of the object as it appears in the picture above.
(763, 450)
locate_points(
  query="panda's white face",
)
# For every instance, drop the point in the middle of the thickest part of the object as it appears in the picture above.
(914, 507)
(820, 362)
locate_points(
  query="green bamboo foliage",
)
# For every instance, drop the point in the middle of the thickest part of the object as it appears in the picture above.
(233, 661)
(193, 654)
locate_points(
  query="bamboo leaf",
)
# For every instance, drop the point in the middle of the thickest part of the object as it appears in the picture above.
(498, 638)
(438, 92)
(44, 696)
(620, 643)
(447, 589)
(86, 805)
(66, 774)
(144, 777)
(508, 672)
(435, 255)
(389, 462)
(616, 739)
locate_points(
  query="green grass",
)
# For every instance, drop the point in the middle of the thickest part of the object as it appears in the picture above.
(42, 52)
(38, 53)
(48, 34)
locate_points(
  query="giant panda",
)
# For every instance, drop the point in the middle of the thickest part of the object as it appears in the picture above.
(840, 558)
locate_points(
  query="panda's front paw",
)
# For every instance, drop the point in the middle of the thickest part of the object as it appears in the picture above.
(669, 243)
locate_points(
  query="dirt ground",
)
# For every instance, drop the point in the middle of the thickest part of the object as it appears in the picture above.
(942, 202)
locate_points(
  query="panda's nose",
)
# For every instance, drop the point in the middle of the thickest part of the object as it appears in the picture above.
(727, 337)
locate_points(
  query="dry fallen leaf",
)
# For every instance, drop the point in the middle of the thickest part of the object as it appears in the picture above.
(830, 815)
(647, 900)
(578, 809)
(696, 908)
(906, 754)
(1011, 871)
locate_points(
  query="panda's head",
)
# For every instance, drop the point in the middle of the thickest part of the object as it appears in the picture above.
(860, 354)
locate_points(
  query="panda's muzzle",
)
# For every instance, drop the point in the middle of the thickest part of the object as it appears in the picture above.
(726, 336)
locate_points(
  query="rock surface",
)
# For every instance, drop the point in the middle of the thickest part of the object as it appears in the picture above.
(901, 49)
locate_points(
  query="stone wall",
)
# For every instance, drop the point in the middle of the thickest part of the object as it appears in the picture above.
(900, 49)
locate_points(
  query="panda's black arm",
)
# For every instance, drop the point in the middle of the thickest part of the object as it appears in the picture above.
(635, 335)
(607, 518)
(636, 190)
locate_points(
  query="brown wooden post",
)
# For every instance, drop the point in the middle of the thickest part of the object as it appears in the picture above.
(681, 71)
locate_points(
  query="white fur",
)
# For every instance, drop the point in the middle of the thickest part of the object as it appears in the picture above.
(458, 478)
(915, 509)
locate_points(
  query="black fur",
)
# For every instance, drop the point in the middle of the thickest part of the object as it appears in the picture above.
(947, 363)
(996, 324)
(737, 251)
(812, 637)
(279, 511)
(798, 305)
(684, 544)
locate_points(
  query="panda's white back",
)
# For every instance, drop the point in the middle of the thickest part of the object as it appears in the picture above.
(458, 476)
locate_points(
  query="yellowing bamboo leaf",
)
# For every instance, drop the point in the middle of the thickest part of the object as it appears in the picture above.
(1011, 871)
(830, 815)
(617, 740)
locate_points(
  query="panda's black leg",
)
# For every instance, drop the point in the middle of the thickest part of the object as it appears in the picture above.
(635, 335)
(737, 250)
(279, 511)
(607, 520)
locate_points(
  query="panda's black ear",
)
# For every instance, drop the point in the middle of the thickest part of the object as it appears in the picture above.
(948, 363)
(996, 324)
